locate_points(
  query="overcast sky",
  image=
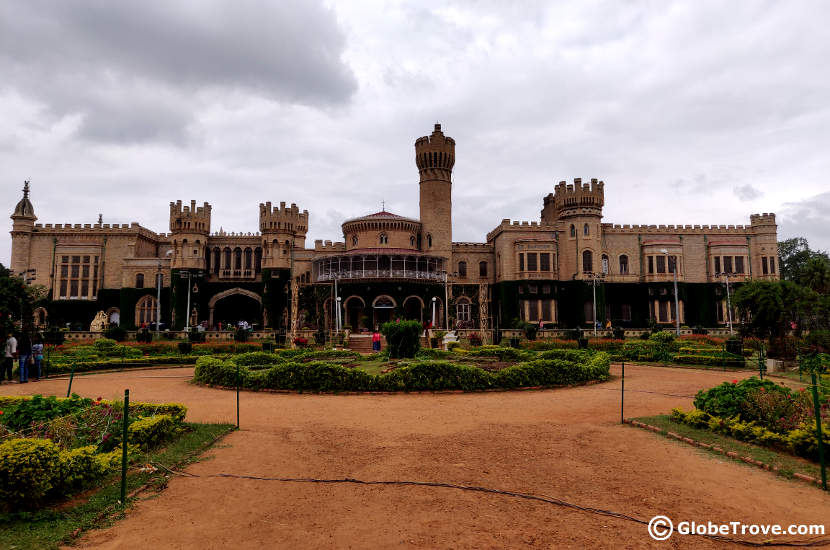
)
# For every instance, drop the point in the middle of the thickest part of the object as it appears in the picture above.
(691, 112)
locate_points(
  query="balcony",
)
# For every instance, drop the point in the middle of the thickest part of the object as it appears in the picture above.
(236, 274)
(535, 275)
(372, 266)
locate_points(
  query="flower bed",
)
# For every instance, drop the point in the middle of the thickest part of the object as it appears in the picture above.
(553, 369)
(761, 412)
(52, 447)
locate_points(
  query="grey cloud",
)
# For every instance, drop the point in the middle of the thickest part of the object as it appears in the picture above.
(747, 192)
(808, 218)
(115, 60)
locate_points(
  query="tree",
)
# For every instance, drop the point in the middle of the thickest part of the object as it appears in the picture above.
(15, 300)
(816, 274)
(795, 255)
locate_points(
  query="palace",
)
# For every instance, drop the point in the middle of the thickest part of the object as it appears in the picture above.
(386, 266)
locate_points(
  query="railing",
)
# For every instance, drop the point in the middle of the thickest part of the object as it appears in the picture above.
(380, 274)
(237, 274)
(530, 275)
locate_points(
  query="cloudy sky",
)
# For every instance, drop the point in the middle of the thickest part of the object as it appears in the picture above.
(690, 112)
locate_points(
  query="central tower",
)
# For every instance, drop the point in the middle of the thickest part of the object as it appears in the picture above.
(435, 157)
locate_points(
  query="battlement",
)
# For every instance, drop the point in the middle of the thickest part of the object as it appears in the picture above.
(577, 198)
(435, 155)
(282, 219)
(329, 246)
(189, 219)
(762, 219)
(515, 225)
(102, 229)
(472, 247)
(675, 229)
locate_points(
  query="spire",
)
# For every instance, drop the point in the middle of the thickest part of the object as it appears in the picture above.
(26, 189)
(24, 208)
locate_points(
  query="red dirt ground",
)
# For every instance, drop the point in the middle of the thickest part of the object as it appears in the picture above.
(564, 443)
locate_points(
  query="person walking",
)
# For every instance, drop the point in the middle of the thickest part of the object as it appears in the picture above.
(37, 354)
(9, 357)
(376, 341)
(24, 354)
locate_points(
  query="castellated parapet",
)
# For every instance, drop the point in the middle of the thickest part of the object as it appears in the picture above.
(189, 219)
(435, 155)
(578, 199)
(283, 219)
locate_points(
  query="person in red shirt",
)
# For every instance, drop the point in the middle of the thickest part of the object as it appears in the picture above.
(376, 341)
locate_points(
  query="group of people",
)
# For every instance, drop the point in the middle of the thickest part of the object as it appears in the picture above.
(27, 353)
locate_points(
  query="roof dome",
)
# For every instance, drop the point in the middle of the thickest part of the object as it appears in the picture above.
(24, 208)
(382, 215)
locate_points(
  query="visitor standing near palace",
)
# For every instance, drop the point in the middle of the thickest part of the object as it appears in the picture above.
(376, 341)
(37, 354)
(24, 355)
(8, 359)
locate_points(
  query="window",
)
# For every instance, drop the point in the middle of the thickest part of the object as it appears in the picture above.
(383, 239)
(739, 264)
(532, 289)
(588, 308)
(764, 268)
(672, 264)
(605, 263)
(521, 262)
(585, 230)
(573, 231)
(482, 269)
(625, 312)
(587, 261)
(354, 240)
(717, 264)
(462, 269)
(462, 310)
(531, 261)
(663, 309)
(249, 258)
(727, 264)
(772, 264)
(661, 264)
(145, 310)
(623, 265)
(544, 262)
(412, 241)
(237, 258)
(545, 289)
(139, 280)
(429, 240)
(651, 264)
(521, 289)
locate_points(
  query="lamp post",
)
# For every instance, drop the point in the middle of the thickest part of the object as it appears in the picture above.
(728, 301)
(446, 305)
(676, 302)
(434, 301)
(186, 275)
(595, 277)
(337, 304)
(158, 300)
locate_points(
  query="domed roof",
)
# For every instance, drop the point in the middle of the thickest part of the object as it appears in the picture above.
(382, 215)
(24, 208)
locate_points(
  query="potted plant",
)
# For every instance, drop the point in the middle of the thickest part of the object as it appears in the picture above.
(437, 338)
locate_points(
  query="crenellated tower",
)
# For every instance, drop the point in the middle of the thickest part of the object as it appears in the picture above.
(23, 224)
(189, 228)
(764, 246)
(435, 157)
(282, 229)
(577, 212)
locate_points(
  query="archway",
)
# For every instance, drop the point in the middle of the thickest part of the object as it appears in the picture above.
(382, 309)
(114, 316)
(413, 308)
(234, 305)
(353, 307)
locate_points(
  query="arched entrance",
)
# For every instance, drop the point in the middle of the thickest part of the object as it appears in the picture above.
(353, 307)
(413, 308)
(382, 309)
(234, 305)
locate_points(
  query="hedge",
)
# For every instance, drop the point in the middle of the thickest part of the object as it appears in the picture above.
(176, 410)
(726, 360)
(570, 367)
(150, 431)
(85, 366)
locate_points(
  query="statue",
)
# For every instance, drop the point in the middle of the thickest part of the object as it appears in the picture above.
(99, 324)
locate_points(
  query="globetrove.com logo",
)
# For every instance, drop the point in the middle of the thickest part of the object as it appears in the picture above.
(661, 528)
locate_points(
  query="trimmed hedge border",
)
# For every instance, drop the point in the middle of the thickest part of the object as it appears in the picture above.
(557, 368)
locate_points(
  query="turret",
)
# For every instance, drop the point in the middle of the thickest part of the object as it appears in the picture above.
(579, 199)
(435, 157)
(282, 229)
(764, 245)
(23, 223)
(577, 210)
(189, 228)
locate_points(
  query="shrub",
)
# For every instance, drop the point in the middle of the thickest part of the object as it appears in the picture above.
(257, 359)
(42, 409)
(804, 439)
(429, 353)
(502, 353)
(185, 347)
(403, 338)
(116, 333)
(149, 432)
(435, 376)
(726, 360)
(25, 465)
(726, 399)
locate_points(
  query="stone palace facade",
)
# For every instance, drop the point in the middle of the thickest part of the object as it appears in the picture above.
(389, 266)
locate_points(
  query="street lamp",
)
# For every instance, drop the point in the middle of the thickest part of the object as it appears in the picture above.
(676, 302)
(337, 303)
(595, 277)
(186, 275)
(434, 301)
(728, 300)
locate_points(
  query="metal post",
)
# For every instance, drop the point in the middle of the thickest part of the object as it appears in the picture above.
(71, 376)
(124, 449)
(594, 282)
(762, 366)
(818, 432)
(158, 300)
(622, 394)
(728, 304)
(676, 301)
(446, 304)
(187, 312)
(237, 397)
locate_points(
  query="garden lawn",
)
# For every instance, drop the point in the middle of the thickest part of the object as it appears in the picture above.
(52, 527)
(785, 462)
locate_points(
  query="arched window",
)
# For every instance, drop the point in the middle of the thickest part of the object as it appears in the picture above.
(237, 258)
(145, 310)
(623, 265)
(227, 262)
(462, 310)
(587, 261)
(605, 263)
(482, 269)
(207, 258)
(383, 239)
(585, 230)
(257, 259)
(462, 269)
(217, 259)
(573, 230)
(429, 240)
(139, 280)
(412, 241)
(354, 240)
(249, 257)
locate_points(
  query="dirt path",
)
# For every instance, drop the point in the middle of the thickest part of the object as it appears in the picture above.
(564, 443)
